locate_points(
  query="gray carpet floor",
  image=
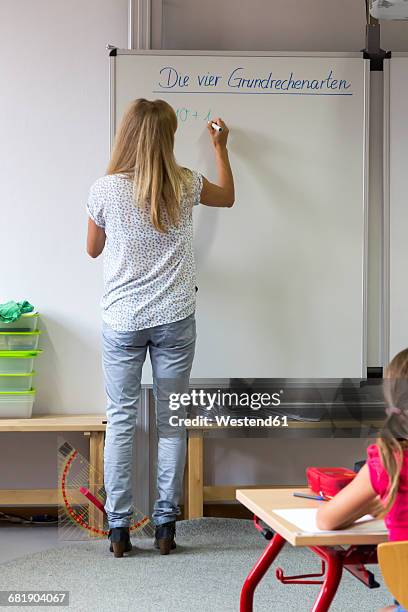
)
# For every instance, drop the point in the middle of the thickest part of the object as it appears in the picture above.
(205, 573)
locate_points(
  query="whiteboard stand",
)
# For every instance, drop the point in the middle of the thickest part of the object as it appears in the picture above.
(130, 73)
(395, 209)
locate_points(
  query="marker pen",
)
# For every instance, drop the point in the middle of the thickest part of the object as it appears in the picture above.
(307, 496)
(215, 126)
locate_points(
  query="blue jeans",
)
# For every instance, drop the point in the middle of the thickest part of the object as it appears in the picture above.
(171, 347)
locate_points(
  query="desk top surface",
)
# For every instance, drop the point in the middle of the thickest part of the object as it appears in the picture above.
(263, 502)
(56, 422)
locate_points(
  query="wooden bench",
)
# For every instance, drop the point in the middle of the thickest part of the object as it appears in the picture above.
(91, 425)
(196, 493)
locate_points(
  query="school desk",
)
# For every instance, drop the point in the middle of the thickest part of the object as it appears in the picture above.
(328, 546)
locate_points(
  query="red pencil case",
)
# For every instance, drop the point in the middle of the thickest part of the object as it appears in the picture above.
(328, 481)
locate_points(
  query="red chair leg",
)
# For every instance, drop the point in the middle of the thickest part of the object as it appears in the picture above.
(258, 571)
(334, 560)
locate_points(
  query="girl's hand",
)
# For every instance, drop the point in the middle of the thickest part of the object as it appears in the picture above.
(219, 139)
(352, 502)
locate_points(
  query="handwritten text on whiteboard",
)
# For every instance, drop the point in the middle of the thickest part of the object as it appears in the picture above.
(238, 81)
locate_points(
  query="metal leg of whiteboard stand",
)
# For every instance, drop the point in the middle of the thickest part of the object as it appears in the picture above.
(142, 453)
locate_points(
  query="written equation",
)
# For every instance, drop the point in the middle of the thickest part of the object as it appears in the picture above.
(184, 114)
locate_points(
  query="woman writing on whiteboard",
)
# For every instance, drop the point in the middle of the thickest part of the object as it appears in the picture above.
(140, 214)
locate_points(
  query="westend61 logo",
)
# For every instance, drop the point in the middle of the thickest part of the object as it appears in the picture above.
(207, 400)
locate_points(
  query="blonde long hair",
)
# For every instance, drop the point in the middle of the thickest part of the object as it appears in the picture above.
(143, 150)
(394, 437)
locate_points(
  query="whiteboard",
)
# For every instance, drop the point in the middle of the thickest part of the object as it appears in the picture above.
(395, 203)
(281, 275)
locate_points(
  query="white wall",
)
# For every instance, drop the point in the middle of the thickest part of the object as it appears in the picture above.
(54, 111)
(54, 127)
(269, 25)
(273, 25)
(54, 118)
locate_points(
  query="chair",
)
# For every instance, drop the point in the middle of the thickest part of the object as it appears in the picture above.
(393, 561)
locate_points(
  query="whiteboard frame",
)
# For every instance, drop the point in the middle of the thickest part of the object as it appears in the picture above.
(385, 302)
(194, 52)
(366, 116)
(366, 185)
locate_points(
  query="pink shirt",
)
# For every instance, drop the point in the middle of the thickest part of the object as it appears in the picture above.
(397, 518)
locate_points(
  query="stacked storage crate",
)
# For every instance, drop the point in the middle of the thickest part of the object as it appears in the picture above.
(18, 349)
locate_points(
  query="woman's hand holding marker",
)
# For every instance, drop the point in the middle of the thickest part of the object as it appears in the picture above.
(219, 132)
(220, 193)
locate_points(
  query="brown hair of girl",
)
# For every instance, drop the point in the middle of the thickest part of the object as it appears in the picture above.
(394, 437)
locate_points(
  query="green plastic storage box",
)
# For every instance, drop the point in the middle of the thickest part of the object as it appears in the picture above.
(27, 322)
(17, 362)
(16, 404)
(16, 382)
(19, 341)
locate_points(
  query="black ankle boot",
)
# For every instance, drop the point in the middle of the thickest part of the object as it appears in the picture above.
(164, 537)
(120, 541)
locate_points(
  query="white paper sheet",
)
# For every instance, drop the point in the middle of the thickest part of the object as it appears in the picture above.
(305, 520)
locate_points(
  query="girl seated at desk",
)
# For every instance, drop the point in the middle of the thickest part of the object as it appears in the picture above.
(381, 486)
